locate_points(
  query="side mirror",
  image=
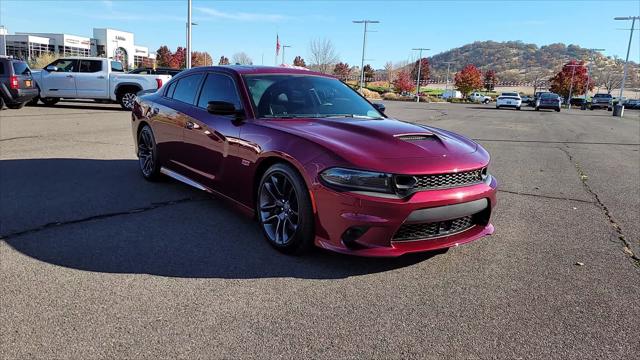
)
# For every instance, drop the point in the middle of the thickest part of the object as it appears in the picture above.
(223, 108)
(380, 107)
(51, 68)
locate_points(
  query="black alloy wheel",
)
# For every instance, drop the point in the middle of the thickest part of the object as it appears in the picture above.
(148, 154)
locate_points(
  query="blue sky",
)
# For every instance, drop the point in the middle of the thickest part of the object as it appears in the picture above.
(226, 27)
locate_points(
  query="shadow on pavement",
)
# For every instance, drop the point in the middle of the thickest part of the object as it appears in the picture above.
(119, 223)
(82, 105)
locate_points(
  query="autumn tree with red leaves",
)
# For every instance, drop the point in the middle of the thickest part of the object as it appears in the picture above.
(178, 60)
(490, 80)
(424, 69)
(163, 56)
(403, 82)
(468, 79)
(561, 82)
(341, 70)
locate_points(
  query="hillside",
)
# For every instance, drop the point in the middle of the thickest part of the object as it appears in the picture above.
(515, 61)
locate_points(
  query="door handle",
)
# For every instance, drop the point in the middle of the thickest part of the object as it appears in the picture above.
(192, 126)
(69, 76)
(100, 77)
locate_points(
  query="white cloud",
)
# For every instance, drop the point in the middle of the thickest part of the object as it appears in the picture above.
(240, 16)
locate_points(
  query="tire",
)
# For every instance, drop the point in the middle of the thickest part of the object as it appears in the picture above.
(497, 107)
(48, 101)
(518, 108)
(16, 106)
(148, 154)
(126, 98)
(558, 110)
(34, 101)
(1, 103)
(537, 108)
(284, 212)
(609, 109)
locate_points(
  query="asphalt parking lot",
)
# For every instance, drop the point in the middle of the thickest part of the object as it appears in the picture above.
(96, 262)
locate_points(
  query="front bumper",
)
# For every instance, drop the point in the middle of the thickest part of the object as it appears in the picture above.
(336, 212)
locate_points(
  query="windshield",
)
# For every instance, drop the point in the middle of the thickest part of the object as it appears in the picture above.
(287, 96)
(602, 95)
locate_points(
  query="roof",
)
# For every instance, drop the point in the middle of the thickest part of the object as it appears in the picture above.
(257, 69)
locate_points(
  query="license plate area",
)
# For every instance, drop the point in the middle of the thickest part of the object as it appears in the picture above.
(28, 83)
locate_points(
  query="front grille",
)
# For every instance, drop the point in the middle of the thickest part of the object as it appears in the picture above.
(432, 230)
(439, 181)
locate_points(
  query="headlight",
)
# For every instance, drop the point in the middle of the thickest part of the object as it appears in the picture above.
(357, 180)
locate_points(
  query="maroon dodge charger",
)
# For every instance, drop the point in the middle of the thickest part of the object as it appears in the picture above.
(315, 162)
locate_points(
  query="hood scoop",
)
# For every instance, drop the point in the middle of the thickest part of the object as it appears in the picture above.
(416, 136)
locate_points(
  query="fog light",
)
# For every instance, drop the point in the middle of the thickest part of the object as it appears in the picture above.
(352, 234)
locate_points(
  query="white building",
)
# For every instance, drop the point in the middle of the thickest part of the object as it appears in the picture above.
(110, 43)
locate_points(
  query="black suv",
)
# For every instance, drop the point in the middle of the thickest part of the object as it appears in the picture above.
(156, 71)
(16, 84)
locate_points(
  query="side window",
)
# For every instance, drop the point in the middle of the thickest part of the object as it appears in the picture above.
(90, 66)
(1, 68)
(219, 87)
(117, 66)
(66, 65)
(187, 88)
(170, 89)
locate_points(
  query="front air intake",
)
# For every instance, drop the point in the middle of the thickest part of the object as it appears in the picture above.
(415, 137)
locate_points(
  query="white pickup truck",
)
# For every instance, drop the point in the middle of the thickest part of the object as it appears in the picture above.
(99, 79)
(479, 98)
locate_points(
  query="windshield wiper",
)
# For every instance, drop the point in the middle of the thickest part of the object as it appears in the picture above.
(355, 116)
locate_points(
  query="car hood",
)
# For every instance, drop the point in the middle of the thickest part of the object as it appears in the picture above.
(387, 144)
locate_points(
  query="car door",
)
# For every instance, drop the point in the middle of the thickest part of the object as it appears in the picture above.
(60, 83)
(211, 140)
(91, 80)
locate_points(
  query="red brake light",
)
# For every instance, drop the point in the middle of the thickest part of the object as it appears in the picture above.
(14, 84)
(159, 82)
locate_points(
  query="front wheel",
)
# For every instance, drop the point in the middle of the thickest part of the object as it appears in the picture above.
(558, 110)
(284, 211)
(537, 108)
(518, 108)
(148, 154)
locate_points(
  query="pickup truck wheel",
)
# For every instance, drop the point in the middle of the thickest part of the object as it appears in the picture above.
(127, 98)
(49, 101)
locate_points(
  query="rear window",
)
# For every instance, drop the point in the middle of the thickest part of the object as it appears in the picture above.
(602, 96)
(510, 94)
(549, 96)
(21, 68)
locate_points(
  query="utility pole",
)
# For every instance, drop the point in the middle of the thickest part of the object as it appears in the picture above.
(618, 109)
(446, 86)
(419, 68)
(284, 47)
(364, 46)
(586, 89)
(574, 66)
(188, 34)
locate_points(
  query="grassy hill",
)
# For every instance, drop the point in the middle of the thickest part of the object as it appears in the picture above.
(520, 62)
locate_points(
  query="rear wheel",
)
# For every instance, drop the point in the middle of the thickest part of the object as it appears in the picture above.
(49, 101)
(518, 108)
(127, 97)
(16, 106)
(1, 103)
(537, 108)
(284, 210)
(148, 154)
(558, 110)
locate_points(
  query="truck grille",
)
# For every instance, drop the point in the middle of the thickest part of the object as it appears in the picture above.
(409, 232)
(439, 181)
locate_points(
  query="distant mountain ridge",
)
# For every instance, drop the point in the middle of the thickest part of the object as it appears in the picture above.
(516, 61)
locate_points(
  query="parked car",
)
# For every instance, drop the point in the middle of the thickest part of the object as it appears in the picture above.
(92, 78)
(156, 71)
(526, 99)
(314, 161)
(16, 83)
(632, 104)
(509, 99)
(577, 101)
(549, 100)
(452, 94)
(600, 101)
(479, 98)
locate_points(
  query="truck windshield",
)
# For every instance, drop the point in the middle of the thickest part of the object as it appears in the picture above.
(287, 96)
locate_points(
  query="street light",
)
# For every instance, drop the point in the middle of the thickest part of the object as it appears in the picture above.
(364, 45)
(4, 39)
(189, 23)
(446, 86)
(284, 47)
(419, 68)
(586, 89)
(618, 109)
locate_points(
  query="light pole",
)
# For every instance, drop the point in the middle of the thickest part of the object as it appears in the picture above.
(364, 46)
(446, 86)
(618, 109)
(586, 89)
(284, 47)
(573, 72)
(4, 39)
(188, 34)
(419, 68)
